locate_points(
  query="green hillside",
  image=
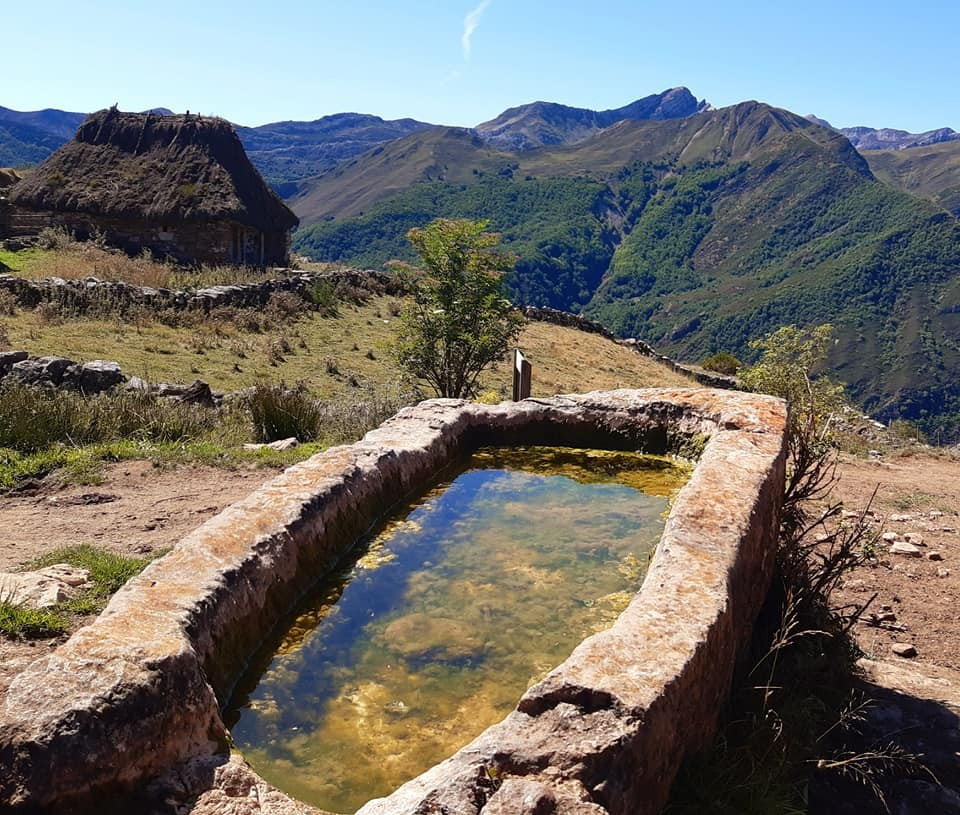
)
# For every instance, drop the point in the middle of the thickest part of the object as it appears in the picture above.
(931, 172)
(697, 234)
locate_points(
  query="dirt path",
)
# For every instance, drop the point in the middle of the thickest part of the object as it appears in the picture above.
(139, 509)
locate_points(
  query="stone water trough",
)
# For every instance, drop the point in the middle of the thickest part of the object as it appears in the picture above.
(126, 715)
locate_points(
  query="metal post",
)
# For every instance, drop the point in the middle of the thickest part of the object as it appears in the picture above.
(522, 371)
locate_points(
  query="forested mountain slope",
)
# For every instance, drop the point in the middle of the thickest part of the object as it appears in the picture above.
(696, 234)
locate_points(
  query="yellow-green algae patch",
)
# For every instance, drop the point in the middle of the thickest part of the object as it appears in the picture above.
(440, 622)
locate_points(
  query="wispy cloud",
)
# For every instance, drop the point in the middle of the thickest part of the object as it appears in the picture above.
(470, 23)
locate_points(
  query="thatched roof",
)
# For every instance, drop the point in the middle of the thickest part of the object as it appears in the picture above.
(146, 165)
(8, 177)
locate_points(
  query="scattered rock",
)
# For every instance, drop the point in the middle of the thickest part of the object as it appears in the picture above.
(43, 588)
(135, 383)
(899, 519)
(280, 444)
(41, 371)
(934, 556)
(891, 537)
(943, 573)
(905, 549)
(935, 513)
(198, 393)
(169, 390)
(914, 537)
(905, 650)
(10, 358)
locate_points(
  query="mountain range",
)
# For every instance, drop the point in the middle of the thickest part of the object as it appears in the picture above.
(696, 229)
(886, 138)
(698, 234)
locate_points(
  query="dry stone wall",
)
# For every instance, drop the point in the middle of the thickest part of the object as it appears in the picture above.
(91, 293)
(130, 705)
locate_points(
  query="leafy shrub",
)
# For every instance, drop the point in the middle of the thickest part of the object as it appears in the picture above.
(905, 430)
(323, 295)
(55, 237)
(785, 369)
(722, 362)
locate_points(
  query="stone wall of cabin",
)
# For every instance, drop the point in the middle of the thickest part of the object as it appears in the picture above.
(212, 242)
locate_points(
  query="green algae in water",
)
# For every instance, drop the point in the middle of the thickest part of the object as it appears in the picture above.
(442, 620)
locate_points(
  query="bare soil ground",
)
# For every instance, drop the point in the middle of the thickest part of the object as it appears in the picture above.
(917, 495)
(138, 510)
(916, 700)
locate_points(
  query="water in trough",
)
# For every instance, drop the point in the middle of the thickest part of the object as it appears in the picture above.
(435, 626)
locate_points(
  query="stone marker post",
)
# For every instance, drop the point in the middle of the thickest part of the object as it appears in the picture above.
(521, 376)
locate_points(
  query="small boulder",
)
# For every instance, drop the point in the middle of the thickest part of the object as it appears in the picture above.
(43, 588)
(913, 537)
(198, 393)
(891, 537)
(903, 649)
(934, 556)
(168, 389)
(280, 444)
(10, 358)
(41, 371)
(94, 377)
(135, 383)
(905, 549)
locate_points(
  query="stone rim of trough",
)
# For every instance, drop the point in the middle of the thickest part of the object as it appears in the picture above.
(137, 694)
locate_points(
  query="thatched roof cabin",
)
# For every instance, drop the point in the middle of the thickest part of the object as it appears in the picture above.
(180, 185)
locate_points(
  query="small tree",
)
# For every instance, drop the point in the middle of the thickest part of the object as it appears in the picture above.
(460, 321)
(785, 369)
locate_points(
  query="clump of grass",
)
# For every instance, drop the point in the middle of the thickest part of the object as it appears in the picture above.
(19, 622)
(8, 303)
(32, 419)
(279, 412)
(108, 571)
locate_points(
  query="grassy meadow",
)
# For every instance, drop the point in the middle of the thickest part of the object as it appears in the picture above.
(324, 374)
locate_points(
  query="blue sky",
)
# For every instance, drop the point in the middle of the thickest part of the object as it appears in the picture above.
(879, 63)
